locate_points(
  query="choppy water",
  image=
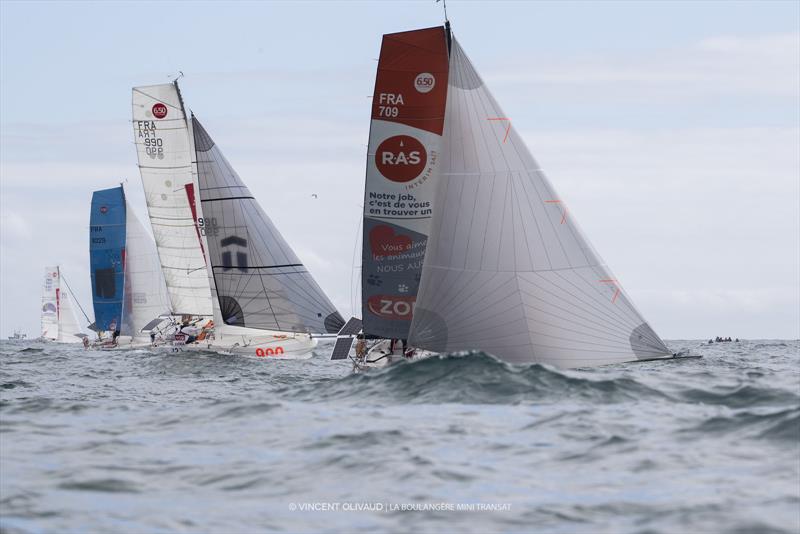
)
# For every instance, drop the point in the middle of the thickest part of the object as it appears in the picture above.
(144, 442)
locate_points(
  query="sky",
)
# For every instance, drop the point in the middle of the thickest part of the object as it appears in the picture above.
(671, 129)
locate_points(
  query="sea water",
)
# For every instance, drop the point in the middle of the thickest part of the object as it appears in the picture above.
(137, 441)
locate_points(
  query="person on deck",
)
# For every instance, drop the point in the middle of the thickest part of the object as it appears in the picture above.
(191, 332)
(361, 347)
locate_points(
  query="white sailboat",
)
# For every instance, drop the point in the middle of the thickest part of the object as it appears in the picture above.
(59, 322)
(505, 268)
(263, 300)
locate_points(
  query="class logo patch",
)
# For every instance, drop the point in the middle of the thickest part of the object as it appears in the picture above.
(401, 158)
(159, 110)
(424, 82)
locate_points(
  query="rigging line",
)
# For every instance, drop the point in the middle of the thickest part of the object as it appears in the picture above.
(74, 297)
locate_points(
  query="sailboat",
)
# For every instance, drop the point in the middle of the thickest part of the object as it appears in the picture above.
(466, 244)
(263, 300)
(128, 290)
(59, 322)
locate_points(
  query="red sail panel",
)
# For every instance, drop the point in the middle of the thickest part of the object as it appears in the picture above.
(411, 86)
(190, 195)
(408, 111)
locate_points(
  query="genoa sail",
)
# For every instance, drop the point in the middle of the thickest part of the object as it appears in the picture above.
(50, 294)
(69, 330)
(507, 270)
(107, 257)
(163, 147)
(403, 158)
(258, 280)
(146, 295)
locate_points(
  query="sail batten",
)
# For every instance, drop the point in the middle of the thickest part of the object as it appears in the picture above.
(507, 269)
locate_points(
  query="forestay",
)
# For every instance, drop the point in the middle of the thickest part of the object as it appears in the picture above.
(507, 270)
(402, 164)
(163, 146)
(258, 280)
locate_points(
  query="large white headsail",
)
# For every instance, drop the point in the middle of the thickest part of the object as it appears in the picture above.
(163, 147)
(69, 329)
(507, 270)
(50, 303)
(259, 281)
(145, 291)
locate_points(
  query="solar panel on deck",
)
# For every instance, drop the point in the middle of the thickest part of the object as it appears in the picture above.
(352, 327)
(342, 348)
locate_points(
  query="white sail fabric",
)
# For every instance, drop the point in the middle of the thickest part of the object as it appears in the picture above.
(50, 303)
(165, 162)
(259, 282)
(507, 270)
(69, 330)
(145, 291)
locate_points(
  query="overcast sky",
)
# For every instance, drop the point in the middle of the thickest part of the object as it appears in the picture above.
(672, 129)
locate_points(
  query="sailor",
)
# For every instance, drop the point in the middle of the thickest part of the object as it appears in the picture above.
(86, 342)
(391, 345)
(191, 332)
(152, 337)
(404, 342)
(361, 347)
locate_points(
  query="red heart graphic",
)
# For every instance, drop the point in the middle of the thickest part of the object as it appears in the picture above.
(384, 242)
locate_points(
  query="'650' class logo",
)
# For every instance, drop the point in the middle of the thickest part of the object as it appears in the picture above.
(401, 158)
(424, 82)
(392, 307)
(159, 110)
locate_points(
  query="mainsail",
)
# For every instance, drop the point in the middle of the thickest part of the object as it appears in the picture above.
(128, 289)
(50, 293)
(163, 146)
(107, 257)
(408, 107)
(258, 281)
(506, 269)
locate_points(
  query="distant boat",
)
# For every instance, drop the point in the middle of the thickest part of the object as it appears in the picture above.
(217, 245)
(17, 336)
(128, 290)
(466, 245)
(58, 315)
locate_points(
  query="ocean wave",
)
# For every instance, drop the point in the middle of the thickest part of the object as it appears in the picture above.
(475, 378)
(741, 396)
(783, 425)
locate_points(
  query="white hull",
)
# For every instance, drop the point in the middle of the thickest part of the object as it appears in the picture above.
(272, 345)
